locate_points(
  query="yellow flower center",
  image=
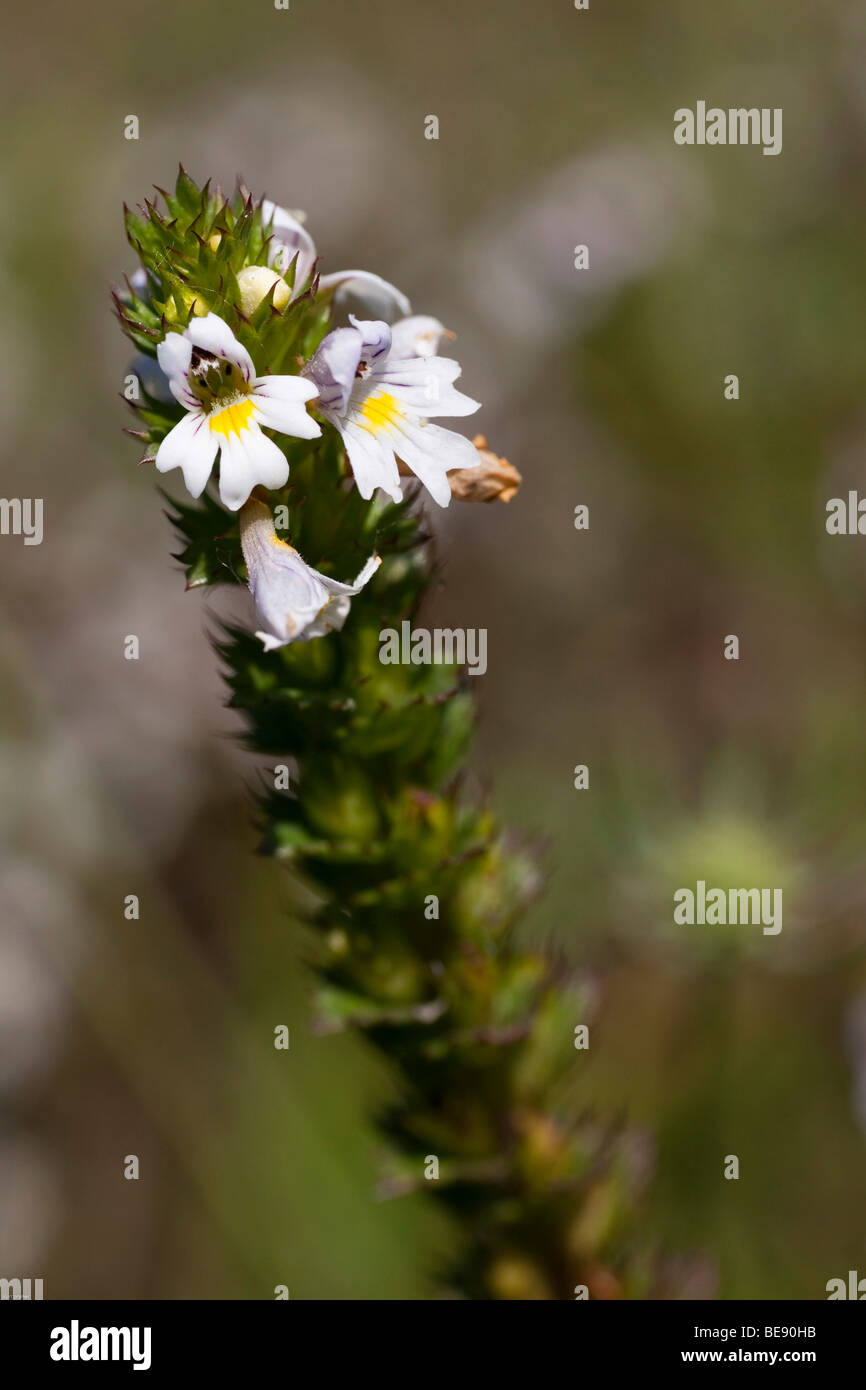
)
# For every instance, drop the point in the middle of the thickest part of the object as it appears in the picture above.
(380, 410)
(233, 419)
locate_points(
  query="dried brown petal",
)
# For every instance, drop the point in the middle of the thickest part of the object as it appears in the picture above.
(494, 480)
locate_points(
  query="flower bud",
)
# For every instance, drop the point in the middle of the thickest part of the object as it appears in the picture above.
(254, 283)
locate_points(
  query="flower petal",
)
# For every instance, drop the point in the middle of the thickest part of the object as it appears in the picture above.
(375, 339)
(364, 577)
(281, 405)
(430, 452)
(335, 612)
(293, 601)
(173, 355)
(191, 447)
(385, 415)
(214, 335)
(247, 460)
(333, 367)
(369, 289)
(424, 384)
(371, 456)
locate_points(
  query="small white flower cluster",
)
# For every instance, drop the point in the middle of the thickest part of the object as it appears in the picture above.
(379, 385)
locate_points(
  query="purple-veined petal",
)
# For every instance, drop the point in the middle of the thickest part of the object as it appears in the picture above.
(333, 366)
(281, 405)
(191, 447)
(375, 339)
(212, 334)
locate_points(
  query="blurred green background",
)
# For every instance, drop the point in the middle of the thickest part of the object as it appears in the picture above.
(707, 517)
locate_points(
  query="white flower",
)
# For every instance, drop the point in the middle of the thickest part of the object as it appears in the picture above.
(290, 241)
(382, 405)
(294, 602)
(214, 379)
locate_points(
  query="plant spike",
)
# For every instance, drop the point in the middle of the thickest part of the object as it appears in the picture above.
(419, 890)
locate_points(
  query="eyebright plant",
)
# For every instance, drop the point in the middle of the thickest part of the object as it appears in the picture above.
(322, 430)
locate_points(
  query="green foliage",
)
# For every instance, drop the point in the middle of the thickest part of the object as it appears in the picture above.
(418, 889)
